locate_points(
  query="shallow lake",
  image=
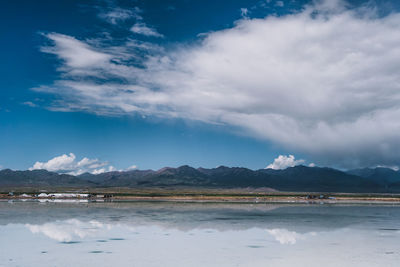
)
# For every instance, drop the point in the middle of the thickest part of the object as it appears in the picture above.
(197, 234)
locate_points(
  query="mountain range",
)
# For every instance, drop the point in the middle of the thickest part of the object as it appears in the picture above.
(293, 179)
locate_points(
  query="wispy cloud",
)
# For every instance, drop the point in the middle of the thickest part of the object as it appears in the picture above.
(323, 81)
(76, 55)
(114, 15)
(142, 28)
(29, 104)
(244, 12)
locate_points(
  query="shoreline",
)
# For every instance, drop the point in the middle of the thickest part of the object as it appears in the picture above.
(215, 195)
(216, 199)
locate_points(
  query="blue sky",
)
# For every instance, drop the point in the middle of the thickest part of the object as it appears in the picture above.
(203, 83)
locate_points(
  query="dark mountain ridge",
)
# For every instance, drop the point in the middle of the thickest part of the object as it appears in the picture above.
(380, 175)
(294, 179)
(40, 178)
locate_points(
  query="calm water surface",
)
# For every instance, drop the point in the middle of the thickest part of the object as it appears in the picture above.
(184, 234)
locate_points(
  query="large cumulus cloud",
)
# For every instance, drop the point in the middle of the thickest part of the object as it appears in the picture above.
(283, 162)
(323, 81)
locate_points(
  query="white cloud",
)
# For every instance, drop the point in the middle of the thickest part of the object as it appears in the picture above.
(116, 14)
(283, 162)
(142, 28)
(63, 162)
(103, 170)
(74, 53)
(66, 231)
(133, 167)
(323, 81)
(99, 171)
(68, 164)
(284, 236)
(280, 3)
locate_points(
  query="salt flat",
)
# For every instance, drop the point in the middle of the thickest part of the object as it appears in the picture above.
(198, 234)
